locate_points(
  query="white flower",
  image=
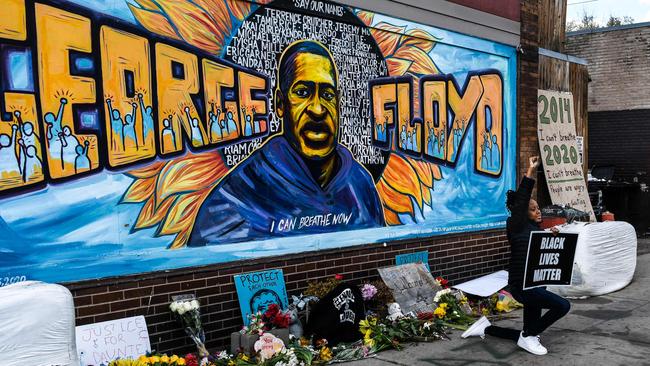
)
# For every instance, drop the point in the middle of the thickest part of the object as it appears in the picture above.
(180, 310)
(223, 355)
(426, 325)
(440, 294)
(187, 306)
(195, 304)
(173, 307)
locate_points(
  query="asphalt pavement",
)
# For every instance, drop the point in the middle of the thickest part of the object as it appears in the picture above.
(612, 329)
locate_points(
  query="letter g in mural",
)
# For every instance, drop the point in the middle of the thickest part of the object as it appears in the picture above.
(242, 137)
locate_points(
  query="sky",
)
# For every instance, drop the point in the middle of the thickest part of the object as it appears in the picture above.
(639, 10)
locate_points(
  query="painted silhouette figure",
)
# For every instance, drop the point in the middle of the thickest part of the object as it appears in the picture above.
(495, 154)
(8, 160)
(414, 142)
(195, 131)
(216, 132)
(402, 137)
(257, 128)
(69, 146)
(27, 140)
(147, 117)
(168, 135)
(231, 125)
(81, 162)
(484, 160)
(129, 127)
(248, 124)
(29, 161)
(117, 127)
(55, 131)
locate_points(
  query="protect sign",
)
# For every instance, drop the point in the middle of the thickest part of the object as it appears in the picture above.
(550, 259)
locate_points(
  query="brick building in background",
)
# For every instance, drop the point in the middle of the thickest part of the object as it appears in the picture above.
(619, 114)
(141, 289)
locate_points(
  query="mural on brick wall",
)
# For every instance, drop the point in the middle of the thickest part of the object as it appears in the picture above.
(140, 135)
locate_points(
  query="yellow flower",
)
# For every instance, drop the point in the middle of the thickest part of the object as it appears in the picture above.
(444, 306)
(164, 359)
(501, 306)
(369, 342)
(485, 311)
(440, 312)
(366, 324)
(181, 361)
(174, 358)
(463, 300)
(325, 354)
(154, 359)
(245, 357)
(231, 363)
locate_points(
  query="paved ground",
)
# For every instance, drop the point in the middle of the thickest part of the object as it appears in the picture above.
(613, 329)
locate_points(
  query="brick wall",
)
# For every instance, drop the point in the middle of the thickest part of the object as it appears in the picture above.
(457, 257)
(619, 66)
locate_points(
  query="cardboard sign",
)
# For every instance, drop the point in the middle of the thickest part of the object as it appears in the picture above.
(550, 259)
(417, 257)
(100, 343)
(412, 286)
(556, 131)
(257, 290)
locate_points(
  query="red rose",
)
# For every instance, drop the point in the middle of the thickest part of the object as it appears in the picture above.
(338, 277)
(442, 281)
(191, 360)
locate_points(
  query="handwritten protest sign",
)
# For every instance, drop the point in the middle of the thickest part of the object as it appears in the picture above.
(550, 259)
(100, 343)
(412, 286)
(421, 257)
(257, 290)
(556, 131)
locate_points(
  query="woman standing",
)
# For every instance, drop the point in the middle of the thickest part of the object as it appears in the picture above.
(525, 217)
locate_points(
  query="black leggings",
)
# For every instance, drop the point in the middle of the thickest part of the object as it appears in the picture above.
(535, 323)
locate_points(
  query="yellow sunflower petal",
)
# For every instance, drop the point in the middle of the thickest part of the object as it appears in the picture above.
(422, 62)
(140, 190)
(183, 212)
(397, 66)
(421, 39)
(147, 171)
(387, 36)
(190, 173)
(240, 9)
(366, 17)
(393, 199)
(148, 5)
(401, 176)
(154, 22)
(423, 171)
(392, 218)
(151, 214)
(195, 25)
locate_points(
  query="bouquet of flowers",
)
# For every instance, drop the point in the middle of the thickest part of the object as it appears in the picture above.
(272, 318)
(186, 309)
(453, 309)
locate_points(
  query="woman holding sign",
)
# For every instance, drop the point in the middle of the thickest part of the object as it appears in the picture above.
(525, 217)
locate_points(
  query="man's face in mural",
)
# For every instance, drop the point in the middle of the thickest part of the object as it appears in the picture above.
(262, 300)
(309, 106)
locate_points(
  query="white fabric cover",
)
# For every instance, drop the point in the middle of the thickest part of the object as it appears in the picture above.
(37, 325)
(605, 258)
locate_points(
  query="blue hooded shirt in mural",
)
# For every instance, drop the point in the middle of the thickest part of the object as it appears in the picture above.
(272, 193)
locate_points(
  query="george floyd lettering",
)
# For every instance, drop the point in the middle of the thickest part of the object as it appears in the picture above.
(550, 259)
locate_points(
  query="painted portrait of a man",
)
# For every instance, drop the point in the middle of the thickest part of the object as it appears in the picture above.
(302, 181)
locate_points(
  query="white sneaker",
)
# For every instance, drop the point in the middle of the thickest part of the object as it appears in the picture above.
(477, 329)
(531, 344)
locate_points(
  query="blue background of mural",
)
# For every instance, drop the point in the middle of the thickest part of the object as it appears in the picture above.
(77, 230)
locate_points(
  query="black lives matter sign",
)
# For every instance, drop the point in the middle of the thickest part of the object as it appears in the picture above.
(550, 259)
